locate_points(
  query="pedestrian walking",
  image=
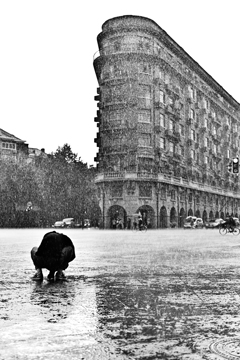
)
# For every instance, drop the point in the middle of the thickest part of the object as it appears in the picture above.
(54, 253)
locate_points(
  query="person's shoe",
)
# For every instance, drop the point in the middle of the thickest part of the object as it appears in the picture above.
(38, 276)
(50, 276)
(60, 275)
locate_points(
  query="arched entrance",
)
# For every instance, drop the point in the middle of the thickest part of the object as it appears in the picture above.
(211, 217)
(163, 217)
(222, 215)
(204, 216)
(190, 212)
(96, 217)
(148, 216)
(217, 215)
(181, 217)
(197, 213)
(173, 217)
(116, 217)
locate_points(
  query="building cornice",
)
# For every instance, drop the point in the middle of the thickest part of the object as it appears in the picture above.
(155, 30)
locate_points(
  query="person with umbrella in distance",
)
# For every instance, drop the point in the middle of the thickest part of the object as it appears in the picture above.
(54, 253)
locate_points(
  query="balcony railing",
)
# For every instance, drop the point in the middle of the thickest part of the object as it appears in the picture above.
(165, 178)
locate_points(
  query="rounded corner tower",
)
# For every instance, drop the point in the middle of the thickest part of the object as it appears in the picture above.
(149, 98)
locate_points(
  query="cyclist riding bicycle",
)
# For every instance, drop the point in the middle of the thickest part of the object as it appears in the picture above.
(230, 224)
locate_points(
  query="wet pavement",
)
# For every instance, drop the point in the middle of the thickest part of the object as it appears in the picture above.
(163, 294)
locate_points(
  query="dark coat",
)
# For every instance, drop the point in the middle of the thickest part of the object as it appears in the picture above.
(52, 245)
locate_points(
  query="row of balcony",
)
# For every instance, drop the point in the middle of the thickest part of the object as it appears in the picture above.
(165, 178)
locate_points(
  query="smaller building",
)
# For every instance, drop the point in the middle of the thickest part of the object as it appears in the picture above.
(11, 146)
(14, 148)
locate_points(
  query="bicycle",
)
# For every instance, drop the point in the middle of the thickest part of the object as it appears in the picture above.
(223, 230)
(141, 227)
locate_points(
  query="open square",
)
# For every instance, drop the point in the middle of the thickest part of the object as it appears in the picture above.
(162, 294)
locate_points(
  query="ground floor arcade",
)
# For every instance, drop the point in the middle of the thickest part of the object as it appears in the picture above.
(160, 205)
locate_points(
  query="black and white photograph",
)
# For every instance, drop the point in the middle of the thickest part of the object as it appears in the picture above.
(119, 180)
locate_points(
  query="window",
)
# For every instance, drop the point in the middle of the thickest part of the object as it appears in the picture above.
(6, 145)
(190, 198)
(162, 120)
(117, 45)
(160, 74)
(116, 141)
(193, 135)
(145, 95)
(170, 125)
(145, 190)
(162, 97)
(191, 92)
(206, 160)
(182, 196)
(205, 103)
(116, 190)
(171, 147)
(181, 150)
(145, 68)
(173, 195)
(193, 154)
(115, 70)
(192, 114)
(181, 129)
(145, 164)
(144, 116)
(197, 138)
(170, 101)
(115, 118)
(163, 192)
(144, 140)
(198, 158)
(162, 143)
(206, 122)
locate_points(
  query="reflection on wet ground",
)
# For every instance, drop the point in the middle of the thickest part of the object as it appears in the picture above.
(124, 298)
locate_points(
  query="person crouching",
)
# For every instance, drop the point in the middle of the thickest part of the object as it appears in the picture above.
(54, 253)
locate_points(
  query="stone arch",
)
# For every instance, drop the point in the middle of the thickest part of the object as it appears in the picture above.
(181, 217)
(96, 219)
(148, 215)
(116, 217)
(222, 215)
(204, 216)
(190, 212)
(217, 215)
(197, 213)
(163, 217)
(211, 217)
(173, 217)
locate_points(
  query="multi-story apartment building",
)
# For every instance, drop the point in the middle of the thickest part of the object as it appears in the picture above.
(167, 130)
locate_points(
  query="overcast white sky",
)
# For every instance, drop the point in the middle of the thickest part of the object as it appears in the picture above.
(47, 80)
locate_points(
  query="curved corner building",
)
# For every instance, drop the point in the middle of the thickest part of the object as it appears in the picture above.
(167, 130)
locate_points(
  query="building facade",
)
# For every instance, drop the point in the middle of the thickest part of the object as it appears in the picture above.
(167, 130)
